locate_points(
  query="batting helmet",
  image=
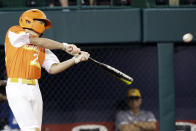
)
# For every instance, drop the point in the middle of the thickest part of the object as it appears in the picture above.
(27, 20)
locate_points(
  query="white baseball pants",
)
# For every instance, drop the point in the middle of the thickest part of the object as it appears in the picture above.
(26, 104)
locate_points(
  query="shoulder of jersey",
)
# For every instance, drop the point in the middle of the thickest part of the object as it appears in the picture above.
(16, 29)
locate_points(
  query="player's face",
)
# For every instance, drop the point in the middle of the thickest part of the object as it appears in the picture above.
(135, 102)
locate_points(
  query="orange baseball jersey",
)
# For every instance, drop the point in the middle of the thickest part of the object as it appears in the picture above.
(23, 60)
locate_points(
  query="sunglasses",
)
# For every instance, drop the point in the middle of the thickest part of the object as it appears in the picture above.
(134, 98)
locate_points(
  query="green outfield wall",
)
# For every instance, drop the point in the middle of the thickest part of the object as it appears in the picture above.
(84, 26)
(168, 24)
(113, 25)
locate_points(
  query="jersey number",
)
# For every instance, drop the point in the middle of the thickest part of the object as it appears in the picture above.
(35, 62)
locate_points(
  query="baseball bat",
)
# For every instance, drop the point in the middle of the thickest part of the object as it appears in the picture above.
(114, 72)
(111, 70)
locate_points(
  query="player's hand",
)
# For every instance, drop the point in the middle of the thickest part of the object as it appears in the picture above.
(82, 56)
(71, 49)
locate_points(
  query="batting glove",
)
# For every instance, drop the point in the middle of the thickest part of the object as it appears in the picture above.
(71, 49)
(83, 56)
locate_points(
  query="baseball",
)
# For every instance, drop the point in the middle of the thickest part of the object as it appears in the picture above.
(187, 37)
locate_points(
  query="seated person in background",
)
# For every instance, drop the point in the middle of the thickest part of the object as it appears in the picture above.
(135, 119)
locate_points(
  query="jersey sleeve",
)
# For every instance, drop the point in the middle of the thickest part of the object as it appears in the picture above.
(50, 59)
(18, 37)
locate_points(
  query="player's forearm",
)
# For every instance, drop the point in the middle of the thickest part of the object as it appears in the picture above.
(130, 127)
(46, 43)
(60, 67)
(147, 126)
(125, 128)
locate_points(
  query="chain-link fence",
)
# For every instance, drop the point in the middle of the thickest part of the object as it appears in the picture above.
(86, 94)
(185, 74)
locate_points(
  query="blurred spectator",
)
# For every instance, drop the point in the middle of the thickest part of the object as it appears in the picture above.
(162, 2)
(88, 2)
(31, 3)
(125, 2)
(135, 119)
(188, 2)
(182, 2)
(3, 121)
(2, 91)
(2, 97)
(91, 2)
(103, 2)
(122, 2)
(3, 82)
(65, 3)
(10, 123)
(52, 3)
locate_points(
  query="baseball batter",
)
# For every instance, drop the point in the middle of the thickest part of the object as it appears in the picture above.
(26, 52)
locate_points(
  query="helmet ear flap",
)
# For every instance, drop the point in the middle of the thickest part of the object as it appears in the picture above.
(21, 21)
(25, 23)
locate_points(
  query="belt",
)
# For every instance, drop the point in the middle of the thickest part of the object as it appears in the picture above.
(23, 81)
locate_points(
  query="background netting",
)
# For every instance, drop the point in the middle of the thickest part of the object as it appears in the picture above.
(185, 74)
(85, 93)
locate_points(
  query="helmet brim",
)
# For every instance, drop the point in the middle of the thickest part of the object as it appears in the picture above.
(48, 23)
